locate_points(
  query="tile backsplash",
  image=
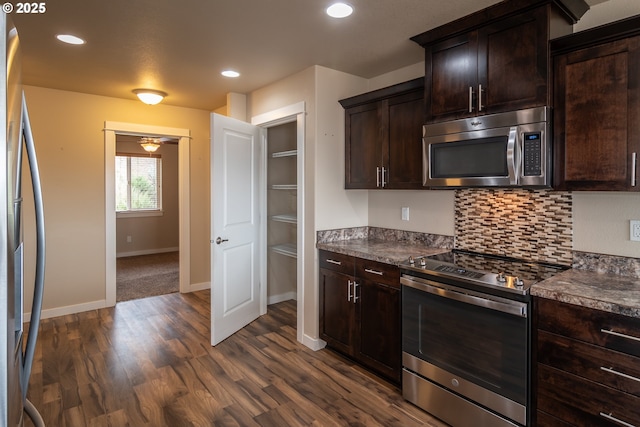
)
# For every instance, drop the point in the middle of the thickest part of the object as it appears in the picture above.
(535, 225)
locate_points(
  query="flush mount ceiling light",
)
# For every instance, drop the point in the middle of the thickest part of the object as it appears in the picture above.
(230, 73)
(68, 38)
(150, 145)
(339, 10)
(150, 96)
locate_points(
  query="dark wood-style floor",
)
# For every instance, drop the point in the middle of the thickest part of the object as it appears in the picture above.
(149, 362)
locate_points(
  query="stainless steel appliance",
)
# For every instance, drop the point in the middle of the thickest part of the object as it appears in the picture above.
(15, 363)
(466, 336)
(496, 150)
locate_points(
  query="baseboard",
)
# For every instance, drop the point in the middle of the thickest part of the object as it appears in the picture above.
(69, 309)
(199, 286)
(147, 252)
(274, 299)
(314, 344)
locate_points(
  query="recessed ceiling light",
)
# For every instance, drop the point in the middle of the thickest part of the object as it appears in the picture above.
(68, 38)
(230, 73)
(339, 10)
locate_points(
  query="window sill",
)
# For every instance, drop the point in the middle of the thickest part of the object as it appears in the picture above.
(138, 214)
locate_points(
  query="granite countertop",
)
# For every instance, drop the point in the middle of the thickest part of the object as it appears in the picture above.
(390, 252)
(601, 291)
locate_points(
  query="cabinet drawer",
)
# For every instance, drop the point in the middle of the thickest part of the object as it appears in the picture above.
(378, 272)
(546, 420)
(614, 331)
(336, 262)
(582, 402)
(607, 367)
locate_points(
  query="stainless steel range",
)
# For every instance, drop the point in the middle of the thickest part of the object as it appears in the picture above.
(466, 336)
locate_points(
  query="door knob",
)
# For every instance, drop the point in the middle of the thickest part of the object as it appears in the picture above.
(220, 240)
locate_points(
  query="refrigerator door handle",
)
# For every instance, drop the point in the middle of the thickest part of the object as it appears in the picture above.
(36, 308)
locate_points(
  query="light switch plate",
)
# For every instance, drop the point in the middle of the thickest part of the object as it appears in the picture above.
(405, 213)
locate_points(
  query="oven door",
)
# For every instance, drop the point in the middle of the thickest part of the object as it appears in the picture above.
(471, 344)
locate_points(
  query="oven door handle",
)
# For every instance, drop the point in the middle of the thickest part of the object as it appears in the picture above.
(505, 306)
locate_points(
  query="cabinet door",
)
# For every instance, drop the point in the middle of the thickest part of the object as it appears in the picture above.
(450, 74)
(379, 344)
(597, 117)
(337, 311)
(363, 140)
(513, 59)
(403, 157)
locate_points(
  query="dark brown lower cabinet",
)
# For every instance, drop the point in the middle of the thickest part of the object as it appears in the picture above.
(360, 312)
(588, 369)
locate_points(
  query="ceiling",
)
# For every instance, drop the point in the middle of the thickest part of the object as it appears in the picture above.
(181, 46)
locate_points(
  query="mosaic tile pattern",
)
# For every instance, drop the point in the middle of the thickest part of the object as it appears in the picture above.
(534, 225)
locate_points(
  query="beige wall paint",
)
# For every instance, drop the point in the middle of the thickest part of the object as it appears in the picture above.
(606, 12)
(327, 204)
(152, 234)
(67, 128)
(430, 211)
(69, 143)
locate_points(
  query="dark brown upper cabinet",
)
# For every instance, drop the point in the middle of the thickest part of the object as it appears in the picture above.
(383, 137)
(597, 108)
(494, 60)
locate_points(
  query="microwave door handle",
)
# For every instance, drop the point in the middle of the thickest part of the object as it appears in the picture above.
(512, 156)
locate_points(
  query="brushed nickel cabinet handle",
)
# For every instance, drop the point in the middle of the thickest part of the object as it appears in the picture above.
(355, 286)
(384, 183)
(470, 99)
(333, 261)
(615, 420)
(620, 374)
(378, 176)
(634, 161)
(479, 97)
(618, 334)
(349, 290)
(379, 273)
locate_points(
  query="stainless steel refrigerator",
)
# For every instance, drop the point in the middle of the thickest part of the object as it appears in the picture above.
(16, 141)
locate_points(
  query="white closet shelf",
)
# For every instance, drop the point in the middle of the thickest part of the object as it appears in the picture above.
(284, 187)
(287, 249)
(289, 153)
(289, 218)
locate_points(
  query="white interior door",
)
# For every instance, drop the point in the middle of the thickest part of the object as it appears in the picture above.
(235, 225)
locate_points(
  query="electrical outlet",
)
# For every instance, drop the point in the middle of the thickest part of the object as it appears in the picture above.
(634, 230)
(129, 240)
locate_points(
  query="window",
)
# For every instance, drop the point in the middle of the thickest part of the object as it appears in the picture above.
(138, 189)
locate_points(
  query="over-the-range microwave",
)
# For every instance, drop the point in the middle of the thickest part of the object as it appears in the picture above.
(510, 149)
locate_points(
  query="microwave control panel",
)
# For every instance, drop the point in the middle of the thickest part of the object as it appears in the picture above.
(532, 153)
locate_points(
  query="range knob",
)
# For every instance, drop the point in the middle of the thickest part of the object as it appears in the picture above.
(501, 277)
(423, 262)
(411, 260)
(518, 282)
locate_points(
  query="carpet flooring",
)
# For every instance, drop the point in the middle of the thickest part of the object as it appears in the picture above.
(147, 275)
